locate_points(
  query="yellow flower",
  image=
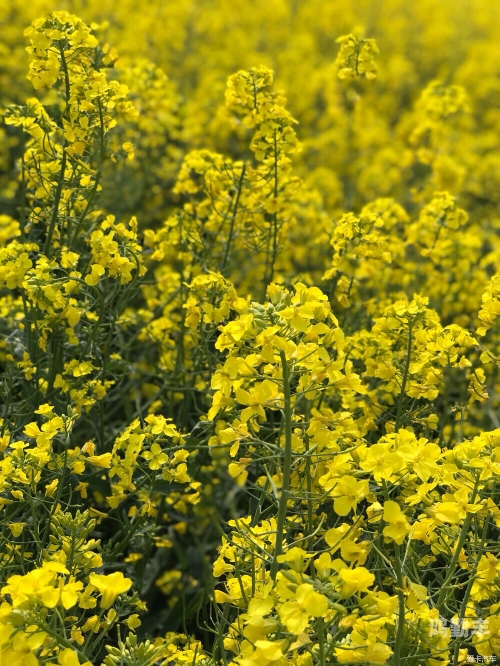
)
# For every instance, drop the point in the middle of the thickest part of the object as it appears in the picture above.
(32, 430)
(381, 462)
(455, 507)
(356, 57)
(132, 621)
(73, 315)
(398, 526)
(423, 457)
(295, 614)
(96, 272)
(65, 594)
(104, 460)
(260, 606)
(377, 653)
(16, 528)
(45, 409)
(347, 493)
(355, 580)
(110, 586)
(92, 624)
(263, 394)
(156, 457)
(266, 652)
(68, 657)
(51, 488)
(133, 557)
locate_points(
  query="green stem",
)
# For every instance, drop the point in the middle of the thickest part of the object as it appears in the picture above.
(233, 218)
(472, 578)
(287, 465)
(405, 379)
(401, 605)
(66, 75)
(61, 640)
(453, 562)
(57, 499)
(55, 209)
(57, 197)
(310, 513)
(321, 641)
(72, 236)
(269, 279)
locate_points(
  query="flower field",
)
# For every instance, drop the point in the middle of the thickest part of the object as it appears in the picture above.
(249, 332)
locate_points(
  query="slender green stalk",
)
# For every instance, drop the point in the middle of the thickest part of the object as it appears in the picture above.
(454, 560)
(61, 640)
(310, 512)
(57, 197)
(66, 75)
(472, 579)
(233, 218)
(274, 254)
(321, 641)
(57, 499)
(287, 464)
(401, 606)
(405, 379)
(57, 200)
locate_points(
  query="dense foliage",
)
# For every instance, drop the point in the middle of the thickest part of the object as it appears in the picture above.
(249, 344)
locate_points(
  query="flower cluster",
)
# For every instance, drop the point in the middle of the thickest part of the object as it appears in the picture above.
(249, 341)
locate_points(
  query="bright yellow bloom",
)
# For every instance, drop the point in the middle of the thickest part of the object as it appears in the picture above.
(355, 580)
(398, 526)
(110, 586)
